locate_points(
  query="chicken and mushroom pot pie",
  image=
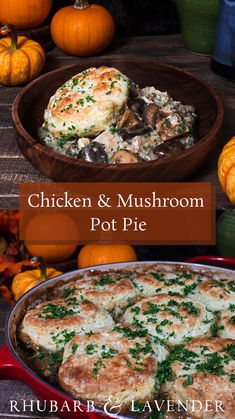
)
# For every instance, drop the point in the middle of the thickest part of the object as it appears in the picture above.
(202, 370)
(101, 116)
(81, 345)
(119, 362)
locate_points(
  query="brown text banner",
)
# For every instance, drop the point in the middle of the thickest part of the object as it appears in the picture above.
(137, 213)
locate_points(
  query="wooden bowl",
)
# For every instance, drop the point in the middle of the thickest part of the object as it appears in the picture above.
(29, 106)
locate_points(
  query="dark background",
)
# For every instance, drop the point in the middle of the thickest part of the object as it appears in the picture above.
(140, 17)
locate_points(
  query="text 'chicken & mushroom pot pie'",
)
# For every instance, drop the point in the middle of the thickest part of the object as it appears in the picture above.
(101, 116)
(110, 333)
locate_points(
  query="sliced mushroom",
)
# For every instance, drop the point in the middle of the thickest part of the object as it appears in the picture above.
(94, 153)
(73, 150)
(151, 115)
(168, 148)
(130, 124)
(124, 157)
(137, 105)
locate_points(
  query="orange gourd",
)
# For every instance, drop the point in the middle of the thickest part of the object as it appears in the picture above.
(52, 252)
(25, 281)
(24, 14)
(100, 254)
(226, 169)
(83, 29)
(21, 59)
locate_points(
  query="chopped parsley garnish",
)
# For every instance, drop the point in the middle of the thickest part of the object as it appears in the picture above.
(190, 307)
(67, 108)
(98, 365)
(160, 277)
(215, 328)
(232, 307)
(213, 365)
(108, 353)
(167, 123)
(90, 349)
(153, 309)
(141, 350)
(51, 311)
(135, 310)
(63, 337)
(105, 280)
(131, 334)
(90, 99)
(112, 130)
(74, 348)
(188, 381)
(69, 292)
(55, 358)
(179, 353)
(41, 355)
(189, 288)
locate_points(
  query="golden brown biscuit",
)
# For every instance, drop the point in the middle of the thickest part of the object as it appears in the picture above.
(167, 282)
(117, 362)
(226, 324)
(108, 291)
(217, 294)
(50, 325)
(87, 104)
(170, 319)
(204, 370)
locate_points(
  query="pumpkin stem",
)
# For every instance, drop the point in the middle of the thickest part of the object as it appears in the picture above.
(42, 266)
(81, 4)
(11, 31)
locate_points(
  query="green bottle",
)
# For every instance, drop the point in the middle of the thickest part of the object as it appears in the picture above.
(225, 233)
(198, 24)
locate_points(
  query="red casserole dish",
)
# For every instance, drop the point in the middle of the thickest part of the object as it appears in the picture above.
(13, 367)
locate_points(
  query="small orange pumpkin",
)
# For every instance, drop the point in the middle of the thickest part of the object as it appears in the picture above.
(83, 29)
(21, 59)
(226, 169)
(25, 281)
(52, 252)
(24, 14)
(100, 254)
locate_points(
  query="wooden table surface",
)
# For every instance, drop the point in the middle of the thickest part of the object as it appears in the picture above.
(14, 168)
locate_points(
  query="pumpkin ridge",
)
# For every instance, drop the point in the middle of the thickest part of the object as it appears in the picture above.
(29, 62)
(226, 176)
(36, 50)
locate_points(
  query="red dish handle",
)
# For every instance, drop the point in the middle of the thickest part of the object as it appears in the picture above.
(220, 261)
(10, 369)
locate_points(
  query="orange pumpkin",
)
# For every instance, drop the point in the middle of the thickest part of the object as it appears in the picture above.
(82, 29)
(226, 169)
(21, 59)
(52, 252)
(100, 254)
(24, 14)
(24, 281)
